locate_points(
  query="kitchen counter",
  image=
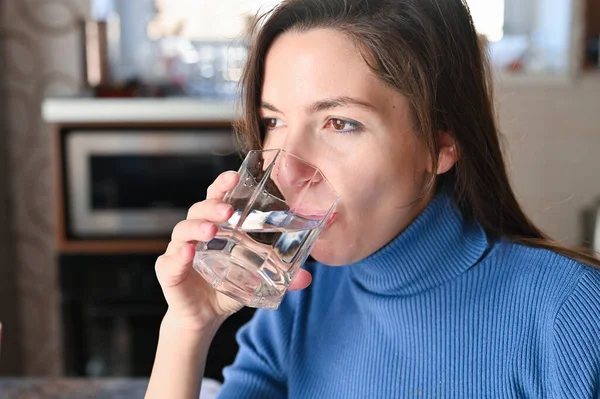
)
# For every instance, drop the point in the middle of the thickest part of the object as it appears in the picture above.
(66, 388)
(175, 109)
(85, 388)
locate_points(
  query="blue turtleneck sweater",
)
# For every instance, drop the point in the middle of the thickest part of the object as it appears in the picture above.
(440, 312)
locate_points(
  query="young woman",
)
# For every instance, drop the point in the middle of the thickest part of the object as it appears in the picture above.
(447, 289)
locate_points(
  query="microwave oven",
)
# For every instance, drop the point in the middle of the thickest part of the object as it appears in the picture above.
(138, 183)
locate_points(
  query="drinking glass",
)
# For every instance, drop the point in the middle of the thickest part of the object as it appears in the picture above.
(281, 205)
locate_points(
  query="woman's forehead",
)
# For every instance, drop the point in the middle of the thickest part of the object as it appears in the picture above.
(317, 65)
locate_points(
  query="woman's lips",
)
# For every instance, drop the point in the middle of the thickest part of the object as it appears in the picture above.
(315, 216)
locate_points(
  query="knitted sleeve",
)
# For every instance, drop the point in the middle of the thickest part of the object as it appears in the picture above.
(577, 340)
(259, 370)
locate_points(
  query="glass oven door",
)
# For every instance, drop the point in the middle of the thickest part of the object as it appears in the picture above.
(140, 183)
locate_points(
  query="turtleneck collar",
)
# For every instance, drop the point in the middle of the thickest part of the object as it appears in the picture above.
(436, 247)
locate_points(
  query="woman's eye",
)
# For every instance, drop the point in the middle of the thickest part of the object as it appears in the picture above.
(272, 123)
(342, 125)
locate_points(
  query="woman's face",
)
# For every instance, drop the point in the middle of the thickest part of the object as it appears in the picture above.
(321, 102)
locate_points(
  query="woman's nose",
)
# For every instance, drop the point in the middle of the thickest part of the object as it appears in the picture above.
(292, 172)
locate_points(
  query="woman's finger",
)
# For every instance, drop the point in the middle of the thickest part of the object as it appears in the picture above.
(212, 210)
(172, 269)
(173, 247)
(193, 230)
(225, 182)
(301, 281)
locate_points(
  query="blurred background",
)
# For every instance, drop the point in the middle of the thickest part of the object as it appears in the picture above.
(116, 114)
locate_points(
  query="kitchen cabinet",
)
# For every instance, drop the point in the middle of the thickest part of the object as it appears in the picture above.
(111, 302)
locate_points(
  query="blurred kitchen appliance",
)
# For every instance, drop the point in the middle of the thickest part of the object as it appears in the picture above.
(138, 183)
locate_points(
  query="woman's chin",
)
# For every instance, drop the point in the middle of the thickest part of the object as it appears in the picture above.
(325, 252)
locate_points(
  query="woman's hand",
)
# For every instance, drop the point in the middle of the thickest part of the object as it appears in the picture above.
(193, 303)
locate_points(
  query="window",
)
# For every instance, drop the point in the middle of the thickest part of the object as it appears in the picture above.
(527, 36)
(194, 20)
(488, 16)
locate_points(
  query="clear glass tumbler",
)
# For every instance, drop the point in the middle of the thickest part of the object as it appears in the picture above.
(281, 205)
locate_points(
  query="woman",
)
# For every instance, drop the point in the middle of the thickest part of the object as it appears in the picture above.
(448, 289)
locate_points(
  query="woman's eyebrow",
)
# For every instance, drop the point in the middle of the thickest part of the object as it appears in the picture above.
(329, 103)
(326, 104)
(270, 107)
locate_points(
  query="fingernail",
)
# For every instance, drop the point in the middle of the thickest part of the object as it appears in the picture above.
(223, 209)
(230, 176)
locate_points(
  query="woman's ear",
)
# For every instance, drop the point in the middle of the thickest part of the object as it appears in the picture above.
(447, 155)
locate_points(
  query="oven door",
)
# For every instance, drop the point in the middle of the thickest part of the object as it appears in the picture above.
(135, 183)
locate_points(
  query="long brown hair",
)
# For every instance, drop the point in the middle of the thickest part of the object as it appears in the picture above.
(428, 51)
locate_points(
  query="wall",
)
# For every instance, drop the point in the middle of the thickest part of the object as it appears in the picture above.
(10, 358)
(519, 16)
(553, 136)
(39, 43)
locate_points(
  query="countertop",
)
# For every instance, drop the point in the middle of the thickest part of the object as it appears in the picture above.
(85, 388)
(170, 109)
(71, 388)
